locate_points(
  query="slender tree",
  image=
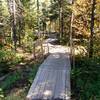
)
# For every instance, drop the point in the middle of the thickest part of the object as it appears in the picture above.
(92, 28)
(20, 19)
(71, 38)
(12, 11)
(38, 19)
(61, 19)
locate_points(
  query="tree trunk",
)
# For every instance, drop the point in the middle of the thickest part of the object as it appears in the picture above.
(71, 40)
(59, 20)
(38, 19)
(14, 25)
(62, 20)
(92, 29)
(12, 11)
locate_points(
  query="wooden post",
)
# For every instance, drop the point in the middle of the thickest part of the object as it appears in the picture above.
(48, 47)
(34, 56)
(42, 51)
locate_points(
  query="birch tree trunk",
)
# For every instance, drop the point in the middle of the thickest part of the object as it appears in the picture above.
(12, 11)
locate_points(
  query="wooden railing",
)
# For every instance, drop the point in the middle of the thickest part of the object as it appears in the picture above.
(40, 48)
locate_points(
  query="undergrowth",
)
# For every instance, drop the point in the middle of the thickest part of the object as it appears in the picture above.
(20, 81)
(86, 78)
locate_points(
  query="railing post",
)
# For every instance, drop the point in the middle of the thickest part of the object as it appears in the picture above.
(34, 56)
(47, 48)
(42, 51)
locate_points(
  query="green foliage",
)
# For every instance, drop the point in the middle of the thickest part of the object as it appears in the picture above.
(28, 40)
(8, 83)
(5, 55)
(86, 78)
(9, 56)
(7, 59)
(10, 80)
(63, 41)
(33, 73)
(13, 78)
(1, 93)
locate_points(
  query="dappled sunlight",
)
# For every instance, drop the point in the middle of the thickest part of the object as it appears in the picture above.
(56, 56)
(47, 93)
(22, 63)
(65, 95)
(80, 50)
(48, 82)
(55, 48)
(44, 90)
(58, 48)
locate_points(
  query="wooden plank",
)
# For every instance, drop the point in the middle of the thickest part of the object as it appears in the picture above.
(50, 85)
(40, 83)
(34, 84)
(43, 84)
(60, 85)
(68, 89)
(34, 54)
(55, 64)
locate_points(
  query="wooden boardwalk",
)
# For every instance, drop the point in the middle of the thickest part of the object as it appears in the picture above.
(52, 81)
